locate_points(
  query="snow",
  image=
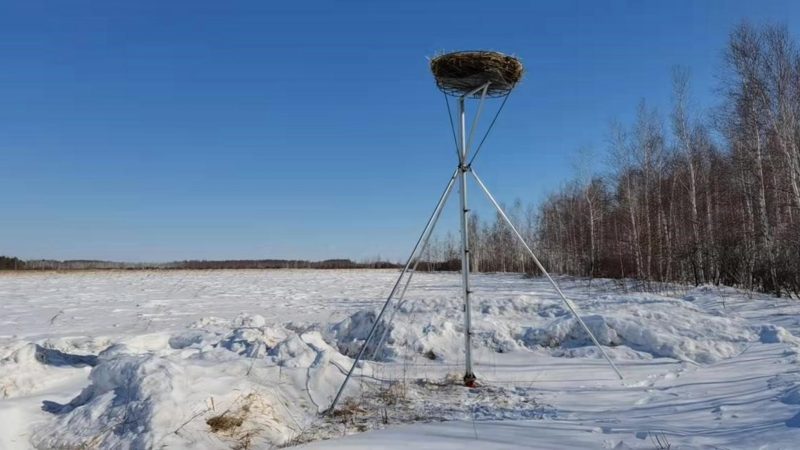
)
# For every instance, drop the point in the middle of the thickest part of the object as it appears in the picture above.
(220, 359)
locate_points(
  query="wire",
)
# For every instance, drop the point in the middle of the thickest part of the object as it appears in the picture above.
(452, 125)
(488, 130)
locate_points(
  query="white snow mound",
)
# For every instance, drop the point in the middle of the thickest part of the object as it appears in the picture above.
(664, 329)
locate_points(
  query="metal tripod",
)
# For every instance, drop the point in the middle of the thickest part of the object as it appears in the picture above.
(461, 173)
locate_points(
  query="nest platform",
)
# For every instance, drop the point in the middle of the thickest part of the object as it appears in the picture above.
(460, 73)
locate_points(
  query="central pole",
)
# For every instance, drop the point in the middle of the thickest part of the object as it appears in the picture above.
(469, 376)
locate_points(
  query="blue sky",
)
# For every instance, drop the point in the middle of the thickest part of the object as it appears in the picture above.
(152, 131)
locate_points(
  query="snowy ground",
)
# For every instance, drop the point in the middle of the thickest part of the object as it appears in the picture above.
(248, 359)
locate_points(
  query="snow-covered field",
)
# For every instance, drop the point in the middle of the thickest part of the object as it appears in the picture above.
(248, 359)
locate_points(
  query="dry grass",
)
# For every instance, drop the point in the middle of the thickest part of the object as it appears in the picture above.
(349, 410)
(236, 424)
(224, 423)
(394, 394)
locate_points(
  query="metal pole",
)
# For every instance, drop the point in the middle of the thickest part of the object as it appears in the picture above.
(569, 304)
(484, 89)
(469, 376)
(425, 231)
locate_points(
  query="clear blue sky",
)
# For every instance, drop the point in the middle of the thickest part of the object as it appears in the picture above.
(153, 130)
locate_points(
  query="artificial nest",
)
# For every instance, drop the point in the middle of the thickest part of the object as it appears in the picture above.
(460, 73)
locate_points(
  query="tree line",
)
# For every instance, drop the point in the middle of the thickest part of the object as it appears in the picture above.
(12, 263)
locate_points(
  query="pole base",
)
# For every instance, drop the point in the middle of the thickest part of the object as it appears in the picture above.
(469, 380)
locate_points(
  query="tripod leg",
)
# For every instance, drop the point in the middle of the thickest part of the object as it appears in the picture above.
(569, 304)
(425, 232)
(411, 274)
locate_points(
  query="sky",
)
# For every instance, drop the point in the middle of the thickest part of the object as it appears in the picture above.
(158, 131)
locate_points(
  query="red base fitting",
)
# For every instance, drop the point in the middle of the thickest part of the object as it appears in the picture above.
(469, 380)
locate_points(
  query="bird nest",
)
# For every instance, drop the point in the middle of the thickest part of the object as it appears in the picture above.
(461, 73)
